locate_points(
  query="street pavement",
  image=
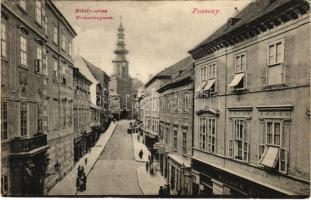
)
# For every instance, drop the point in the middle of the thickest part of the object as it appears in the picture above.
(115, 171)
(67, 186)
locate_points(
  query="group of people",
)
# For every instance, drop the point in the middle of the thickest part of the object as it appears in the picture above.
(81, 179)
(150, 166)
(164, 191)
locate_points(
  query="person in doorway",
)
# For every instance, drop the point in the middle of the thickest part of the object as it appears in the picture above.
(161, 192)
(141, 153)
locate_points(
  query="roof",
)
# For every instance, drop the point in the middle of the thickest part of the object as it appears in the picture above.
(252, 12)
(169, 72)
(96, 71)
(62, 18)
(183, 74)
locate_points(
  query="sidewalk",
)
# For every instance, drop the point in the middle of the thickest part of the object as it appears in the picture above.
(138, 145)
(148, 184)
(67, 186)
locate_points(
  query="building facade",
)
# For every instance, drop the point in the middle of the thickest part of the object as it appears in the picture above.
(81, 113)
(58, 106)
(175, 128)
(23, 97)
(252, 113)
(102, 94)
(121, 82)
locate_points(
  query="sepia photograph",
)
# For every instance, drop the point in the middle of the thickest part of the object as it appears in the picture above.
(155, 99)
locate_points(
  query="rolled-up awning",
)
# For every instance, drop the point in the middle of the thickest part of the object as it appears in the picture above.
(237, 79)
(209, 84)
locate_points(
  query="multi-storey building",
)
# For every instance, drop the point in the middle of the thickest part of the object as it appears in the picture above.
(114, 106)
(81, 116)
(175, 128)
(58, 106)
(121, 82)
(251, 121)
(24, 72)
(102, 93)
(89, 121)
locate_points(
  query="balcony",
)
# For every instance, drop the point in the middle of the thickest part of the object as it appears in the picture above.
(19, 145)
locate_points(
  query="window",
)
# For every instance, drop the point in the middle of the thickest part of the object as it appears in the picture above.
(239, 80)
(45, 22)
(38, 65)
(23, 50)
(4, 120)
(39, 118)
(38, 11)
(55, 70)
(167, 134)
(184, 141)
(23, 119)
(207, 140)
(55, 34)
(63, 113)
(22, 4)
(212, 71)
(70, 49)
(4, 185)
(238, 147)
(186, 102)
(4, 39)
(175, 137)
(204, 73)
(273, 133)
(275, 70)
(272, 154)
(63, 42)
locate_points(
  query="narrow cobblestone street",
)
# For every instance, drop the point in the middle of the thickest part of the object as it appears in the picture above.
(115, 171)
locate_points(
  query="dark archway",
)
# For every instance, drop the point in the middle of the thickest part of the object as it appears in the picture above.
(124, 114)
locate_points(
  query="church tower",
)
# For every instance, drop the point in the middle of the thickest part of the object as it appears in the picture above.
(121, 82)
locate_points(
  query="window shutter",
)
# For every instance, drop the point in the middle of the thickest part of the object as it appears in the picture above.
(283, 160)
(246, 151)
(230, 149)
(262, 76)
(261, 150)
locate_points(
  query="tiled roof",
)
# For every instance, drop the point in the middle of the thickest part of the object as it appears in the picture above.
(252, 12)
(96, 71)
(173, 70)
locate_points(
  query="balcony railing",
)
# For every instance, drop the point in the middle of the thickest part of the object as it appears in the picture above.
(25, 145)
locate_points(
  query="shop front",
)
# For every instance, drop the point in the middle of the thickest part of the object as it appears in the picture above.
(208, 181)
(179, 175)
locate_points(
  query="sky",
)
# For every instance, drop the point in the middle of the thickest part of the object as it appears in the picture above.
(157, 33)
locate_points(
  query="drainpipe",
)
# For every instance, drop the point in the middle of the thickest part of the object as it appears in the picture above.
(193, 109)
(225, 108)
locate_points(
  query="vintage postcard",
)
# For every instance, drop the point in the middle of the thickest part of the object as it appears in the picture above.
(155, 99)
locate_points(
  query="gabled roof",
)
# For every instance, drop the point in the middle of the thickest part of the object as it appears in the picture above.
(254, 11)
(182, 76)
(96, 71)
(173, 69)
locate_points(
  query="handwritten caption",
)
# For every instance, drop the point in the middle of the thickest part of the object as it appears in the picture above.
(92, 14)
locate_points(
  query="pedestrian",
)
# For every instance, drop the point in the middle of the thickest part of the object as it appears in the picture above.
(147, 166)
(85, 161)
(161, 192)
(78, 183)
(168, 190)
(83, 181)
(149, 157)
(141, 153)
